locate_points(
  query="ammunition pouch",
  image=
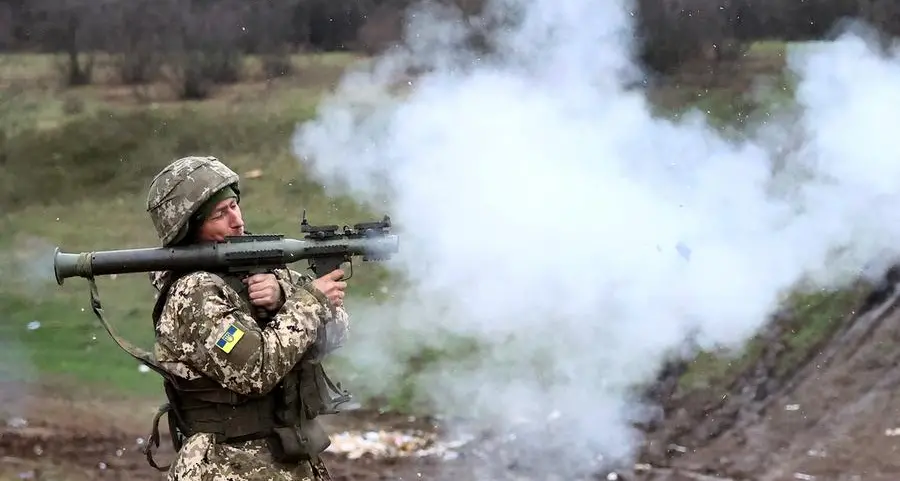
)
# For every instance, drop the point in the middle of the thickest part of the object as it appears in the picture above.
(286, 417)
(300, 435)
(291, 444)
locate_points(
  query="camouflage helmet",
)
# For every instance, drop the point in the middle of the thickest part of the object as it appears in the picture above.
(180, 189)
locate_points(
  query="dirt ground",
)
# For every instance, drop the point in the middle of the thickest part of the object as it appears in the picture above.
(69, 439)
(833, 416)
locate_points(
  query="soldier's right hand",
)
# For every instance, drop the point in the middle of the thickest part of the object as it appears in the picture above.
(332, 287)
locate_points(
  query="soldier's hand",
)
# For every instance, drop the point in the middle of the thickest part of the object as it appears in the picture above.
(332, 287)
(264, 291)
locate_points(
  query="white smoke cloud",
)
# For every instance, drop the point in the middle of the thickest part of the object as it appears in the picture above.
(547, 213)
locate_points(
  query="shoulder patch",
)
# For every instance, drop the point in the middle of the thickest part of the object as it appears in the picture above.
(230, 338)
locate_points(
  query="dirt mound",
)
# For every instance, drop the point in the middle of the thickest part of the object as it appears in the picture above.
(829, 414)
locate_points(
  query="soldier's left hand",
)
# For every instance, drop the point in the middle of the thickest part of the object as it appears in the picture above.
(264, 291)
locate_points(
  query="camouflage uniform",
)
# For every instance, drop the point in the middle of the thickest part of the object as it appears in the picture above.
(207, 332)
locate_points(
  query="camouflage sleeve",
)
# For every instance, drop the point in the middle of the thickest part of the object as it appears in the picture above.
(337, 330)
(290, 280)
(217, 336)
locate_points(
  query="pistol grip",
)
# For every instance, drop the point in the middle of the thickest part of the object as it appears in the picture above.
(324, 265)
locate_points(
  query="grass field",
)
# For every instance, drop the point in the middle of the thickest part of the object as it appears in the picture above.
(77, 179)
(75, 167)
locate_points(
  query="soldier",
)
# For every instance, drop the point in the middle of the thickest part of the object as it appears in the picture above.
(241, 357)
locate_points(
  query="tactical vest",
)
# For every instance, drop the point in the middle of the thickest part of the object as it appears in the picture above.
(286, 417)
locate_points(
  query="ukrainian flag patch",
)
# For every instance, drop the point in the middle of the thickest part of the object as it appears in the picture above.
(230, 338)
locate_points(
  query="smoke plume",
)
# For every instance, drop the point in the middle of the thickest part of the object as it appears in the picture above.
(547, 213)
(26, 265)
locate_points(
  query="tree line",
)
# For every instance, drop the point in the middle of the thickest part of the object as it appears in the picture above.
(202, 41)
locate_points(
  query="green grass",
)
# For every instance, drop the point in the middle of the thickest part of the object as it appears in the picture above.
(817, 315)
(70, 339)
(71, 342)
(814, 316)
(78, 181)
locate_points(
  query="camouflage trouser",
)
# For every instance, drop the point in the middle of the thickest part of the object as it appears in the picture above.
(200, 459)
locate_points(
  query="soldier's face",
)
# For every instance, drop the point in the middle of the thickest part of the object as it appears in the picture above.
(224, 220)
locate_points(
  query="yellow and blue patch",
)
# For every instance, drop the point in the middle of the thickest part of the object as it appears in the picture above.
(230, 338)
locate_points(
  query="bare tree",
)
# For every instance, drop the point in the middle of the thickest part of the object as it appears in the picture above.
(673, 32)
(882, 14)
(136, 38)
(203, 45)
(76, 28)
(6, 27)
(268, 32)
